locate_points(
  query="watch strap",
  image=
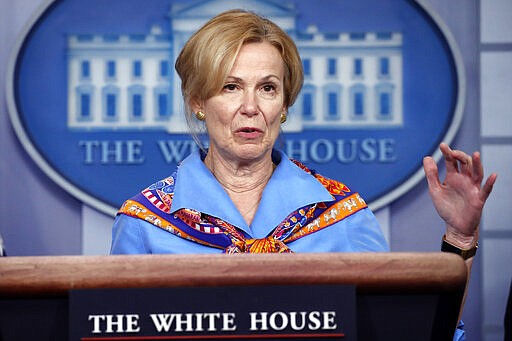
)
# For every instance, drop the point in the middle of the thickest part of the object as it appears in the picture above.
(464, 253)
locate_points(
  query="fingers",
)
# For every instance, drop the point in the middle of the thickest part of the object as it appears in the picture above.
(487, 189)
(478, 169)
(472, 166)
(458, 162)
(450, 161)
(465, 164)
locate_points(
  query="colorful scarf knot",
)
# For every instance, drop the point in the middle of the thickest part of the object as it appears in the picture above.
(262, 245)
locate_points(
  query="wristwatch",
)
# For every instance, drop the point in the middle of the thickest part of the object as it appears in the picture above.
(464, 253)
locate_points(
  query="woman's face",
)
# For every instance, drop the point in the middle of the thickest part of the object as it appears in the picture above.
(243, 120)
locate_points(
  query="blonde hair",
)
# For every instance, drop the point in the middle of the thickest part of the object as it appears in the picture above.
(208, 56)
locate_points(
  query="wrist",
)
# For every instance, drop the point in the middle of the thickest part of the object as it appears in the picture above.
(461, 240)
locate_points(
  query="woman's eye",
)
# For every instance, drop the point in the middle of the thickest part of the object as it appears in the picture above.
(230, 87)
(269, 88)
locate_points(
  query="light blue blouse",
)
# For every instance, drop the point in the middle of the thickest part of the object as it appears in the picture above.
(288, 189)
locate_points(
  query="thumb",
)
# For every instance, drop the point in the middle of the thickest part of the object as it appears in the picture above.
(431, 173)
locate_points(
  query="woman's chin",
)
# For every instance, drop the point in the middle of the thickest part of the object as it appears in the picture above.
(251, 152)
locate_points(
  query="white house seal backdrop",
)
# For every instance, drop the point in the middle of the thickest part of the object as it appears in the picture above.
(96, 102)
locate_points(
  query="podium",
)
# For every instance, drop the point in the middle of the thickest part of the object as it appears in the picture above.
(399, 296)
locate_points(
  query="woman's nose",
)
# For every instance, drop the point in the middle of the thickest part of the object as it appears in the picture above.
(250, 103)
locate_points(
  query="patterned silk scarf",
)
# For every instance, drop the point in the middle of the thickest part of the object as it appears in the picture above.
(153, 205)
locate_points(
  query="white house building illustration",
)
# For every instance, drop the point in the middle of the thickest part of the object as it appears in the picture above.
(128, 82)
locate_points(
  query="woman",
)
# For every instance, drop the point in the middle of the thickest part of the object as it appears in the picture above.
(240, 73)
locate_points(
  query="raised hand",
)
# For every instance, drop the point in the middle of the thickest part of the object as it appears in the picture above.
(460, 198)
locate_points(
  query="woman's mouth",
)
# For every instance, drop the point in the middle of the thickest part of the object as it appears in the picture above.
(249, 132)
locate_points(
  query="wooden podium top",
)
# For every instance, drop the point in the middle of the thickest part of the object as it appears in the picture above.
(370, 272)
